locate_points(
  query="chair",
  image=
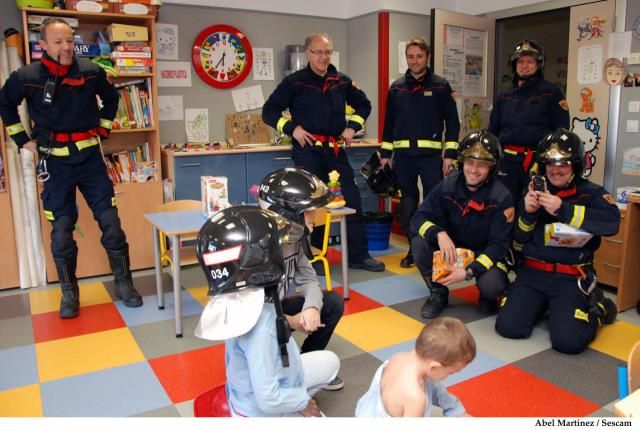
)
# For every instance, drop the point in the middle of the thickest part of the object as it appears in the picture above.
(212, 403)
(187, 253)
(323, 217)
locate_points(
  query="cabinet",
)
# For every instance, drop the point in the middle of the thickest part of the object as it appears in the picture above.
(10, 273)
(133, 199)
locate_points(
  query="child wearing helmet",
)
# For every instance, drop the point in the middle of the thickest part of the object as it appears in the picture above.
(559, 277)
(468, 209)
(239, 252)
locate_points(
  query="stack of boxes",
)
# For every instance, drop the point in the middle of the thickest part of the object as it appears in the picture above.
(132, 7)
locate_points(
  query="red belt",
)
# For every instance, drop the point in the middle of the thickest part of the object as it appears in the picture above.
(527, 152)
(567, 269)
(330, 139)
(73, 137)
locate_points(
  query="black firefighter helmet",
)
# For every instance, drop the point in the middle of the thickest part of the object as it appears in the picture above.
(527, 47)
(481, 145)
(381, 180)
(561, 146)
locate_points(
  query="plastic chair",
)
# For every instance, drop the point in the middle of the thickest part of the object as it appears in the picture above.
(323, 217)
(188, 253)
(212, 403)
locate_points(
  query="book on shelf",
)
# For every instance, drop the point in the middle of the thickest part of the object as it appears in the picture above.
(134, 165)
(133, 105)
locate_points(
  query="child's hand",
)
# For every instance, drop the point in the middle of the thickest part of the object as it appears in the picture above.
(312, 410)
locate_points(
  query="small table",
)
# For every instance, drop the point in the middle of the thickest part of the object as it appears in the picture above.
(174, 224)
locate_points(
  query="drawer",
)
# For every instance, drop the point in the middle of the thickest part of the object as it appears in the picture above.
(262, 163)
(188, 170)
(610, 250)
(608, 272)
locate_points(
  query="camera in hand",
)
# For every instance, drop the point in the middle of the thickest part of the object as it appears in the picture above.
(539, 183)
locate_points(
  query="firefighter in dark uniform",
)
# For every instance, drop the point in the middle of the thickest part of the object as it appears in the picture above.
(526, 113)
(60, 91)
(418, 106)
(557, 279)
(468, 209)
(316, 98)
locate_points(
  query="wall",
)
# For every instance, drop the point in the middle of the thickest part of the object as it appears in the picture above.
(260, 28)
(10, 16)
(403, 27)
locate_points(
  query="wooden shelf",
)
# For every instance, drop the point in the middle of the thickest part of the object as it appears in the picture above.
(132, 75)
(90, 17)
(133, 130)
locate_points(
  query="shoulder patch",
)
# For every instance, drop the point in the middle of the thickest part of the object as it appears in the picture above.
(563, 104)
(509, 214)
(608, 198)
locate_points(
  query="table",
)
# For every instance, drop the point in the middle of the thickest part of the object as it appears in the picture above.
(175, 224)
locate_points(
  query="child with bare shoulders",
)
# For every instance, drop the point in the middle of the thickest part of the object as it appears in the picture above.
(409, 383)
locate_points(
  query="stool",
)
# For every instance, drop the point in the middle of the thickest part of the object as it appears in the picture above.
(212, 403)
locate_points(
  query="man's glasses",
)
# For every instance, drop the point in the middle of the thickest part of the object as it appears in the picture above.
(319, 52)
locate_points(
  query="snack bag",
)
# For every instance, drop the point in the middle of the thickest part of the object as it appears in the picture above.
(441, 268)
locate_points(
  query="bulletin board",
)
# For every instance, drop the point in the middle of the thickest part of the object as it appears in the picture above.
(246, 128)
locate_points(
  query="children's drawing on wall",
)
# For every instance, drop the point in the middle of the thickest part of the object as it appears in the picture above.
(587, 100)
(588, 130)
(197, 125)
(263, 64)
(591, 27)
(167, 41)
(613, 71)
(474, 120)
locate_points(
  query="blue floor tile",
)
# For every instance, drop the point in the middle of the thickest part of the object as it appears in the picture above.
(483, 363)
(149, 311)
(386, 353)
(391, 290)
(18, 367)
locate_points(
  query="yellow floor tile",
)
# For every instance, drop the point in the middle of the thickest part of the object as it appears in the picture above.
(21, 402)
(200, 294)
(392, 263)
(48, 300)
(617, 339)
(88, 353)
(378, 328)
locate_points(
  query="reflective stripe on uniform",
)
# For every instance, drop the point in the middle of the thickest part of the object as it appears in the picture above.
(387, 145)
(424, 227)
(451, 145)
(485, 261)
(517, 246)
(430, 144)
(502, 266)
(510, 151)
(105, 123)
(581, 315)
(82, 144)
(578, 216)
(357, 118)
(281, 122)
(113, 201)
(49, 215)
(15, 128)
(64, 150)
(524, 226)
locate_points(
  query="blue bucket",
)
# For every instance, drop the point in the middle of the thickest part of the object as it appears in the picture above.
(377, 225)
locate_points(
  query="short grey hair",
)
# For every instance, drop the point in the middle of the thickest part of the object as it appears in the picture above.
(50, 21)
(310, 38)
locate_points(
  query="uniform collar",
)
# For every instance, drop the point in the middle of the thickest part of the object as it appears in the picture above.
(50, 66)
(331, 72)
(413, 81)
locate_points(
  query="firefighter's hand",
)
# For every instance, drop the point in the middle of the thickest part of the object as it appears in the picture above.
(303, 136)
(531, 202)
(447, 247)
(31, 146)
(458, 274)
(347, 135)
(447, 166)
(294, 322)
(386, 162)
(549, 202)
(310, 320)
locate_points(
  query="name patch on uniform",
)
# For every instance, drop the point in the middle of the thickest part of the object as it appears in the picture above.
(428, 93)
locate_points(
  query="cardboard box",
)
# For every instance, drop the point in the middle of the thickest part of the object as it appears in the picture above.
(137, 8)
(441, 268)
(565, 236)
(124, 33)
(89, 6)
(215, 195)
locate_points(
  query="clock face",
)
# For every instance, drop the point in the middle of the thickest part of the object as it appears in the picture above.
(222, 56)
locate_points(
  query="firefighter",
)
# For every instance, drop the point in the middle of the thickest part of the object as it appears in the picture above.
(468, 209)
(61, 91)
(316, 98)
(554, 277)
(523, 115)
(419, 105)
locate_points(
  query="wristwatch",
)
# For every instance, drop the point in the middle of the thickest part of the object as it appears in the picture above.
(469, 274)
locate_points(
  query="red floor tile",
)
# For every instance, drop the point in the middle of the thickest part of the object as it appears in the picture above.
(512, 392)
(334, 256)
(189, 374)
(91, 319)
(357, 302)
(469, 294)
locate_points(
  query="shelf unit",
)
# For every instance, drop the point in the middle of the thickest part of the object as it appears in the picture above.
(133, 199)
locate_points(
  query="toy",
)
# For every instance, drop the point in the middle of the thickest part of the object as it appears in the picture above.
(335, 190)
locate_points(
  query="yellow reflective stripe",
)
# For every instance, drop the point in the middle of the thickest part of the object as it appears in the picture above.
(510, 152)
(451, 145)
(113, 201)
(105, 123)
(15, 128)
(400, 143)
(502, 267)
(503, 301)
(82, 144)
(49, 215)
(58, 152)
(387, 145)
(318, 143)
(578, 216)
(485, 261)
(581, 315)
(424, 227)
(524, 226)
(517, 246)
(281, 122)
(357, 118)
(429, 144)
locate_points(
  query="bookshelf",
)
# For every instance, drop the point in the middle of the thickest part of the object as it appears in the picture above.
(134, 199)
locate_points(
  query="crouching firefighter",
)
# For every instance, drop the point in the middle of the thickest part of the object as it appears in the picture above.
(468, 209)
(558, 276)
(60, 92)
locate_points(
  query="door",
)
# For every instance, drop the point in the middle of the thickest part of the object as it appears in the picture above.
(463, 53)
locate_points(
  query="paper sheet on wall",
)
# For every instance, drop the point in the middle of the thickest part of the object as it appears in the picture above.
(167, 41)
(402, 57)
(196, 122)
(248, 98)
(589, 64)
(631, 162)
(619, 45)
(171, 108)
(335, 59)
(263, 64)
(174, 73)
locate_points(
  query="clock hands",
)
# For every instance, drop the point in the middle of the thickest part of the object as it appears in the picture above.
(220, 61)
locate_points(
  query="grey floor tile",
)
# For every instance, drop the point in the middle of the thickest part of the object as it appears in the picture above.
(192, 276)
(146, 285)
(16, 305)
(166, 412)
(457, 308)
(185, 409)
(602, 413)
(357, 275)
(17, 331)
(342, 348)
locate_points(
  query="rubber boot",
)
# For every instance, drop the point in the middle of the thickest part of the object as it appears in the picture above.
(408, 262)
(119, 262)
(70, 301)
(436, 302)
(602, 308)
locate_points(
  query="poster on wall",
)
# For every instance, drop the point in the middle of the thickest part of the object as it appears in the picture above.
(167, 41)
(263, 64)
(631, 162)
(589, 64)
(196, 123)
(174, 73)
(170, 108)
(248, 98)
(464, 60)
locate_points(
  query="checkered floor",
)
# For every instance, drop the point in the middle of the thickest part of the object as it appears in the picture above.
(116, 361)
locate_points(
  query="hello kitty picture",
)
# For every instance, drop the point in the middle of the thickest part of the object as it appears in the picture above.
(167, 41)
(589, 132)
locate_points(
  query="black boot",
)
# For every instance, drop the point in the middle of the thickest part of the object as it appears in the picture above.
(407, 261)
(119, 262)
(438, 300)
(487, 306)
(602, 308)
(70, 301)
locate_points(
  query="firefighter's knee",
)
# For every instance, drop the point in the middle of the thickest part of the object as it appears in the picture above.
(113, 238)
